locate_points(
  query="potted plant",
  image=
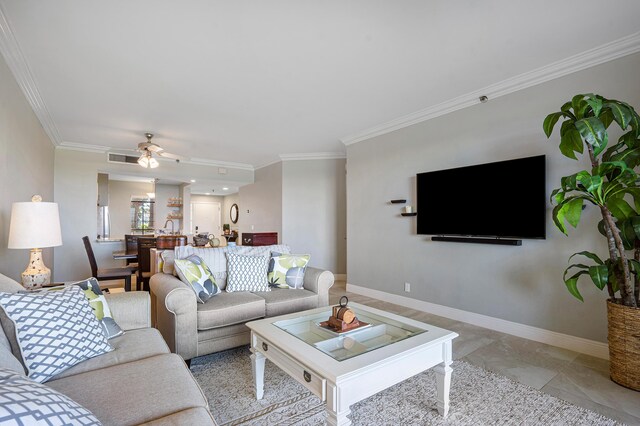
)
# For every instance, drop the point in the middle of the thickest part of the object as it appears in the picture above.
(613, 186)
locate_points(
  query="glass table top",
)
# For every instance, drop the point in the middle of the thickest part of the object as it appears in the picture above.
(380, 332)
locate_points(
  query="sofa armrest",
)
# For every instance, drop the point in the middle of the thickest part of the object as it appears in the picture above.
(319, 281)
(130, 310)
(175, 314)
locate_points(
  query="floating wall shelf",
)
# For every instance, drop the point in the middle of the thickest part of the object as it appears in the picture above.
(409, 214)
(398, 201)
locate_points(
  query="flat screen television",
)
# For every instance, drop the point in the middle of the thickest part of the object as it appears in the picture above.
(502, 199)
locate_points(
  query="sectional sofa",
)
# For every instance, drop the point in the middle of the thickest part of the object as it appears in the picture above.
(139, 382)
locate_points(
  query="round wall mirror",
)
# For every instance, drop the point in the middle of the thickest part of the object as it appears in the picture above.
(234, 213)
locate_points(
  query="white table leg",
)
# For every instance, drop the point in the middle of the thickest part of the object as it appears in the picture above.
(338, 419)
(257, 368)
(443, 380)
(443, 383)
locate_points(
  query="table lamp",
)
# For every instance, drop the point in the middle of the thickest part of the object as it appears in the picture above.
(35, 225)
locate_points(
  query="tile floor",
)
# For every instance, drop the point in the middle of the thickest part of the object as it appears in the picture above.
(580, 379)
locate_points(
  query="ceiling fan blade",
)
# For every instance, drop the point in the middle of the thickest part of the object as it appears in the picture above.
(154, 148)
(169, 155)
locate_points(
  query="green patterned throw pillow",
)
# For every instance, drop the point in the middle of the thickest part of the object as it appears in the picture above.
(287, 270)
(194, 272)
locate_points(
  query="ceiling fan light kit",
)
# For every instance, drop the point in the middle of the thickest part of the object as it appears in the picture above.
(147, 149)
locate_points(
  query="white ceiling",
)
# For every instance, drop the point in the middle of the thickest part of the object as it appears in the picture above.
(245, 81)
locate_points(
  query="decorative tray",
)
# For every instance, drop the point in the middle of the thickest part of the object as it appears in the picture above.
(325, 326)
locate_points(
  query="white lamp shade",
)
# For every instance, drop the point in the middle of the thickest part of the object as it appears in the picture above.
(34, 225)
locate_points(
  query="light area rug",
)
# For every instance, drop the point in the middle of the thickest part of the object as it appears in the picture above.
(478, 397)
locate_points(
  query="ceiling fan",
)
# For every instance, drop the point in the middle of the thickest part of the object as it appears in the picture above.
(148, 148)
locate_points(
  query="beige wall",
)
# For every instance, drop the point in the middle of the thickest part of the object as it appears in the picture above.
(261, 202)
(520, 284)
(26, 167)
(314, 211)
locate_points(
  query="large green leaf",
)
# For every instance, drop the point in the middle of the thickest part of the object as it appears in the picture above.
(631, 157)
(599, 275)
(594, 132)
(595, 104)
(620, 208)
(569, 210)
(606, 117)
(550, 122)
(588, 255)
(571, 142)
(572, 285)
(621, 113)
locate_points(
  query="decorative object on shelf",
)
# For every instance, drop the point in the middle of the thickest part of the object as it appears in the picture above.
(343, 318)
(233, 213)
(214, 241)
(226, 228)
(399, 201)
(174, 215)
(586, 119)
(35, 225)
(200, 240)
(407, 209)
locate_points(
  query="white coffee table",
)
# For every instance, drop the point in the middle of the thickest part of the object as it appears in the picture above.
(345, 369)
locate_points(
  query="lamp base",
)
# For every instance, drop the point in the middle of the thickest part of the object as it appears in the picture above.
(37, 274)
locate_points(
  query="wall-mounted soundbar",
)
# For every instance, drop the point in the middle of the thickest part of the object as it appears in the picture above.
(505, 242)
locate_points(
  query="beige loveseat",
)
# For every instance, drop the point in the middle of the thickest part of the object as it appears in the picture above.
(139, 382)
(194, 329)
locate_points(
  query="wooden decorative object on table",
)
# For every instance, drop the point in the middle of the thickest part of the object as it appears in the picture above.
(342, 318)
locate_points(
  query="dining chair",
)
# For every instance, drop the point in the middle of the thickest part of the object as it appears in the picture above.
(145, 244)
(131, 247)
(103, 274)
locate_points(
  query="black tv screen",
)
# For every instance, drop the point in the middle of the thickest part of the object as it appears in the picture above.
(502, 199)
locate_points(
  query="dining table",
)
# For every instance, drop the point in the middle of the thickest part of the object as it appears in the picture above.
(124, 255)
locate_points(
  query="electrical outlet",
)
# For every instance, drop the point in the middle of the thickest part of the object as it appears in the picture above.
(407, 287)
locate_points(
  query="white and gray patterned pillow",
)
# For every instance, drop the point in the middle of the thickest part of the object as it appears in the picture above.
(25, 402)
(247, 273)
(55, 330)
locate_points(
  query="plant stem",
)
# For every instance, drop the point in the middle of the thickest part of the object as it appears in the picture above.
(626, 288)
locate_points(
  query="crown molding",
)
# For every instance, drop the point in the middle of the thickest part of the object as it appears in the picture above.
(76, 146)
(607, 52)
(101, 149)
(270, 163)
(313, 156)
(217, 163)
(17, 63)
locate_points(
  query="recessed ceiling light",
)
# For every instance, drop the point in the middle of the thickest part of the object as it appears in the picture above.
(207, 193)
(225, 189)
(193, 181)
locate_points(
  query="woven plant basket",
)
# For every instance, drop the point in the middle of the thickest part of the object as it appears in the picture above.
(624, 344)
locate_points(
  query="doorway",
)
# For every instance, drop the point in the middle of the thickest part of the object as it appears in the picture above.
(205, 215)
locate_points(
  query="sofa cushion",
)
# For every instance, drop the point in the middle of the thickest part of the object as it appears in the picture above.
(98, 302)
(55, 330)
(7, 285)
(135, 392)
(194, 272)
(287, 270)
(193, 416)
(25, 402)
(247, 273)
(7, 359)
(215, 258)
(131, 346)
(280, 301)
(228, 309)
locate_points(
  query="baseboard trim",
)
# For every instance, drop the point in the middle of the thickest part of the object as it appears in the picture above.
(577, 344)
(340, 277)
